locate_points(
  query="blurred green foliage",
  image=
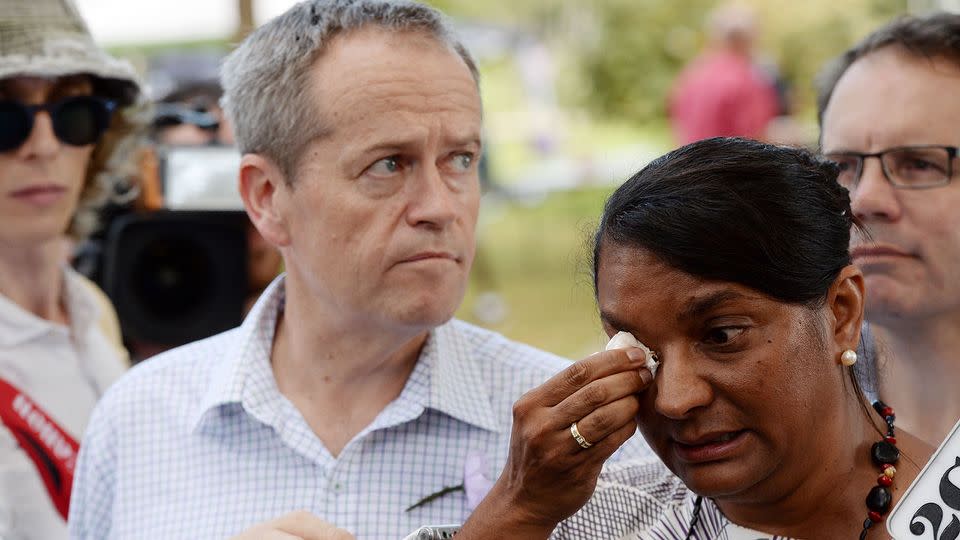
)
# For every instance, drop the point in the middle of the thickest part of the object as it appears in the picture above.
(617, 60)
(535, 257)
(622, 55)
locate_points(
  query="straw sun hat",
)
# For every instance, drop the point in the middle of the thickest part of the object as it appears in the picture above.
(47, 38)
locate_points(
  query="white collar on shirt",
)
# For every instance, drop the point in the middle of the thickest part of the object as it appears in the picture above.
(447, 377)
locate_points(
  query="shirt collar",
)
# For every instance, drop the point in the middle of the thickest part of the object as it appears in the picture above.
(243, 369)
(18, 325)
(457, 386)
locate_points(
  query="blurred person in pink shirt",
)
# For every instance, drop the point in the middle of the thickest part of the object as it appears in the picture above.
(722, 92)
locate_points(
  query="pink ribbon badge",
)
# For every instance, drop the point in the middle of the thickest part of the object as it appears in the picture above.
(475, 484)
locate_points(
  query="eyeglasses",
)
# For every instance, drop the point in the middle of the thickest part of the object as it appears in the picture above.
(905, 167)
(175, 114)
(77, 120)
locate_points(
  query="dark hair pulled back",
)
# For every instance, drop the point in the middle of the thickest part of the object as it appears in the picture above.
(769, 217)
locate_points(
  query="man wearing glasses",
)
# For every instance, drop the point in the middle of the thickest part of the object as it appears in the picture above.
(889, 112)
(66, 143)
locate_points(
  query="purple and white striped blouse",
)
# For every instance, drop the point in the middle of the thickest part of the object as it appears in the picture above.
(643, 500)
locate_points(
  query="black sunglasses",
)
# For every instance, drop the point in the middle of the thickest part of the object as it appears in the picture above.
(77, 120)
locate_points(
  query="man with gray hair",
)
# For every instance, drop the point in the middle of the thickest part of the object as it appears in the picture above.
(348, 392)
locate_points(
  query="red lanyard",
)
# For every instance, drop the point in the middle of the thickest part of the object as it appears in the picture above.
(52, 449)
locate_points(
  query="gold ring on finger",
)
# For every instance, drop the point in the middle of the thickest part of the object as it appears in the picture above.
(583, 442)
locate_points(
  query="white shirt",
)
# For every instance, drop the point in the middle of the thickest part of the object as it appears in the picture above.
(64, 370)
(200, 443)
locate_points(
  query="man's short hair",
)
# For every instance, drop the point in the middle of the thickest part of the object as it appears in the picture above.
(265, 77)
(929, 37)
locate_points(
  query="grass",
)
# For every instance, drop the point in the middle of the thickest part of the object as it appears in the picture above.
(535, 258)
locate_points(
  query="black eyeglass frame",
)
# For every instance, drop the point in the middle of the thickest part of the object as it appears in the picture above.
(952, 153)
(52, 108)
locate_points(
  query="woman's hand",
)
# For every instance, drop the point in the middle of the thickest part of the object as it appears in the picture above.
(549, 475)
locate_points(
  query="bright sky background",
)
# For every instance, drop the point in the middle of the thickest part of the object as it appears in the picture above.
(118, 22)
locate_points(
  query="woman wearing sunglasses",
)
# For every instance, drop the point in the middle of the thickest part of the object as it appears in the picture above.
(66, 143)
(729, 259)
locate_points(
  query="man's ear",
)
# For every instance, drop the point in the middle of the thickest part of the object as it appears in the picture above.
(264, 191)
(846, 302)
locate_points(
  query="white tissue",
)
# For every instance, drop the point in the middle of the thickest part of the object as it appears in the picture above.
(624, 340)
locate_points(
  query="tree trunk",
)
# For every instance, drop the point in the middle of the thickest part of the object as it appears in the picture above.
(245, 10)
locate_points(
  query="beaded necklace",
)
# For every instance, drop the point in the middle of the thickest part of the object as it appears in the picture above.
(884, 454)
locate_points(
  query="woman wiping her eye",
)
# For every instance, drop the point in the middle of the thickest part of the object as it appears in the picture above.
(729, 258)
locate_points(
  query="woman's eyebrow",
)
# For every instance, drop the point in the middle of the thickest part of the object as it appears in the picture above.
(611, 321)
(700, 306)
(69, 86)
(697, 307)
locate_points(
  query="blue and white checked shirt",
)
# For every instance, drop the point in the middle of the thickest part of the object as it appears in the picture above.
(200, 443)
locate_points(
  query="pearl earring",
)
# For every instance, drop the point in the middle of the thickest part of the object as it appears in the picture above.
(848, 358)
